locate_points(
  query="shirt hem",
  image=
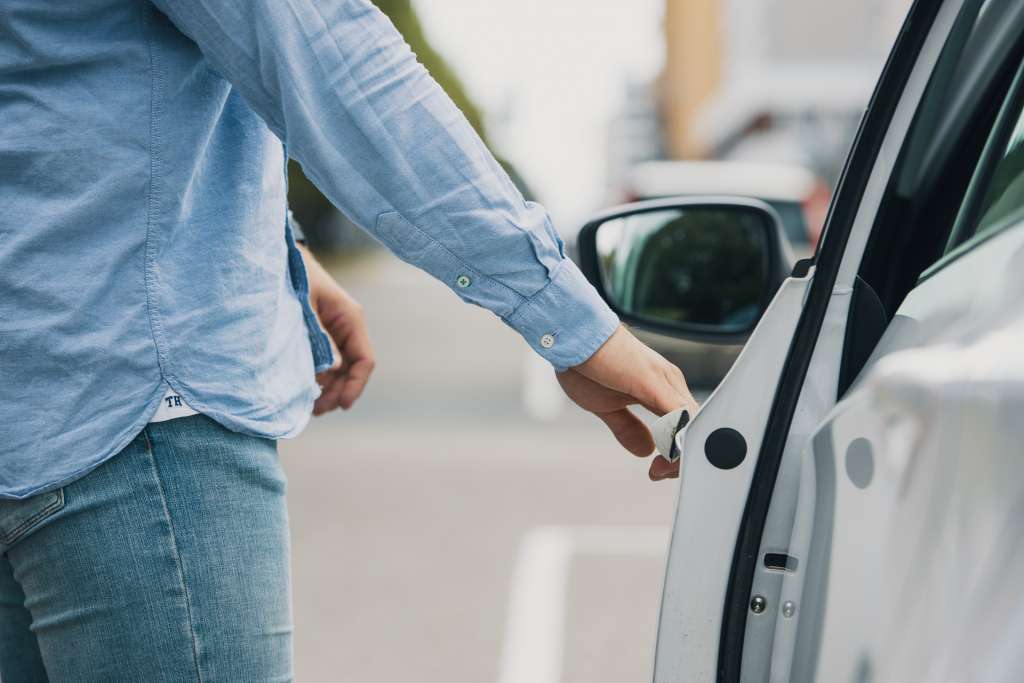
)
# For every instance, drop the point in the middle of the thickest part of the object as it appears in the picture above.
(225, 420)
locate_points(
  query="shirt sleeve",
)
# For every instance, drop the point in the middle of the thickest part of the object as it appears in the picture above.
(337, 83)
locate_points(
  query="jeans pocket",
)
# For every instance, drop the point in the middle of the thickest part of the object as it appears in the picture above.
(19, 517)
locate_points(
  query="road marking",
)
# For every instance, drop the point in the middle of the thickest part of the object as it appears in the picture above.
(534, 645)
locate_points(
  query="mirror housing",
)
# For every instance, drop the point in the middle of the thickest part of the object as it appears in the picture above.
(697, 268)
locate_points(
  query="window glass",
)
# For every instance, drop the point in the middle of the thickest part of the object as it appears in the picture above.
(995, 197)
(1004, 195)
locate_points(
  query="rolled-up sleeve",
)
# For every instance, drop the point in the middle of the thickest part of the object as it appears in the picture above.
(337, 83)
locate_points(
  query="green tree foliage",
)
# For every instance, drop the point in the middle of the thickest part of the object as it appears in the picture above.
(310, 207)
(408, 24)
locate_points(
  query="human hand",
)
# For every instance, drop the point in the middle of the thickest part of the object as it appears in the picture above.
(342, 318)
(625, 372)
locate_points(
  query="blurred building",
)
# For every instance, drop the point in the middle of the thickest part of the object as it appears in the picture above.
(634, 136)
(772, 80)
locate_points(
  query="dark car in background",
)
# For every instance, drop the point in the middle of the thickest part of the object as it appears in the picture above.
(794, 192)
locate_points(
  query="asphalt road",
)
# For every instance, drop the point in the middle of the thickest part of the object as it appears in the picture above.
(441, 533)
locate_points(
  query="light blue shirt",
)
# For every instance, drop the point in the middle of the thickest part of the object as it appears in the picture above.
(144, 240)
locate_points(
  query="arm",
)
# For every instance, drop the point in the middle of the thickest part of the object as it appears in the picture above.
(335, 81)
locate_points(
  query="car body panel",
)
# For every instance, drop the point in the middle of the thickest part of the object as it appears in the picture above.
(913, 491)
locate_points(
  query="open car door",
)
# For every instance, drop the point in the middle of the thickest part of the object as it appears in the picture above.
(723, 606)
(722, 609)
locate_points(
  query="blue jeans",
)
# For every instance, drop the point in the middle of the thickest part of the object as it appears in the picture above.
(169, 562)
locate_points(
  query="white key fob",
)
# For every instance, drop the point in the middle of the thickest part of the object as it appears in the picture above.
(665, 430)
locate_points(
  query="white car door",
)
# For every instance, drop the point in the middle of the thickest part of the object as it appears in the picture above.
(733, 606)
(912, 490)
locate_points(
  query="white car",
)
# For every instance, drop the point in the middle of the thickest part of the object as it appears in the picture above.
(851, 504)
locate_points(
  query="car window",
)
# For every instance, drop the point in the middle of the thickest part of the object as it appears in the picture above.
(1004, 194)
(995, 196)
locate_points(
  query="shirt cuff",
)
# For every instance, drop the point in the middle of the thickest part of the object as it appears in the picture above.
(566, 321)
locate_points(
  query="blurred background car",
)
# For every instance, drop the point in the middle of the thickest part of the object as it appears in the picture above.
(797, 195)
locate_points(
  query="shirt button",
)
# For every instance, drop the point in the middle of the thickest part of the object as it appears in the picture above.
(463, 281)
(547, 341)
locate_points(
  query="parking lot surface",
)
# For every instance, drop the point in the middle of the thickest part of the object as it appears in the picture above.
(441, 532)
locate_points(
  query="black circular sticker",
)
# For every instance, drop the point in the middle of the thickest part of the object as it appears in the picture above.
(725, 448)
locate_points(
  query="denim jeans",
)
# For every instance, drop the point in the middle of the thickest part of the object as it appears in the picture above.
(169, 562)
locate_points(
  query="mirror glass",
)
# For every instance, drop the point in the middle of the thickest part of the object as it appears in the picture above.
(697, 267)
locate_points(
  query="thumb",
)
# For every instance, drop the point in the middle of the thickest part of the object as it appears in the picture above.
(663, 469)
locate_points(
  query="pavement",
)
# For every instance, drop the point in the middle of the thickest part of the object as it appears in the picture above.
(463, 523)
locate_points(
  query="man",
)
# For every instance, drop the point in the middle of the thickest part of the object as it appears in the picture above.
(161, 328)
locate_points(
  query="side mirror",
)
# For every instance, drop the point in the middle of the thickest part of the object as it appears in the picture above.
(702, 269)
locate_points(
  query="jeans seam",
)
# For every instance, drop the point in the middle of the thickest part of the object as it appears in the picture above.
(177, 555)
(14, 535)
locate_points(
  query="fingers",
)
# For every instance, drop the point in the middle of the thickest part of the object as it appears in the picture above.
(663, 400)
(591, 396)
(630, 431)
(664, 390)
(663, 469)
(354, 382)
(358, 353)
(342, 386)
(331, 383)
(343, 320)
